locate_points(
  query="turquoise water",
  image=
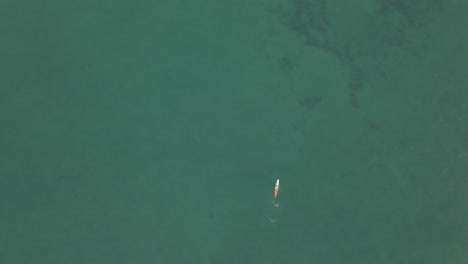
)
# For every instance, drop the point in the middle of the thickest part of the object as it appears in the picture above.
(154, 132)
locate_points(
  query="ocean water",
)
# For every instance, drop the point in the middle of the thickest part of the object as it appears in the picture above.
(154, 132)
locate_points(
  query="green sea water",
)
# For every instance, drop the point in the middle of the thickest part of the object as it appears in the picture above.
(154, 131)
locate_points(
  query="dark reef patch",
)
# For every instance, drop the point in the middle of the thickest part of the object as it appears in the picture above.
(310, 102)
(311, 21)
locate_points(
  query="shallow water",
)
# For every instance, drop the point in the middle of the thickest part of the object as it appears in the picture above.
(154, 132)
